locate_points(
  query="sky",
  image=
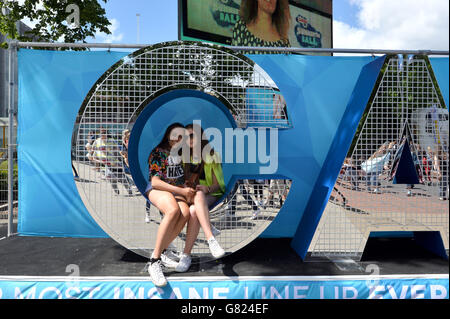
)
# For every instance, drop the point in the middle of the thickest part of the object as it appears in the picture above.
(391, 24)
(357, 24)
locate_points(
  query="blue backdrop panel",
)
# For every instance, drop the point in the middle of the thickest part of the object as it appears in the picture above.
(52, 87)
(317, 91)
(441, 72)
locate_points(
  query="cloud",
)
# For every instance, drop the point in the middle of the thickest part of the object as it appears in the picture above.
(115, 36)
(395, 25)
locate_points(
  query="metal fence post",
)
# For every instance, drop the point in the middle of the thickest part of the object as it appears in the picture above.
(12, 49)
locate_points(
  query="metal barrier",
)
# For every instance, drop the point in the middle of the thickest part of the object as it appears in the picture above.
(4, 185)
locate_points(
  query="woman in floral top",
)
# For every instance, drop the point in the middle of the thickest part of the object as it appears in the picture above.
(167, 192)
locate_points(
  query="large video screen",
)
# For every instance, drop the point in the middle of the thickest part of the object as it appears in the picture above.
(214, 21)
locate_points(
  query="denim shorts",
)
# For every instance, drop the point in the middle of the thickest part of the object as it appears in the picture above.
(148, 189)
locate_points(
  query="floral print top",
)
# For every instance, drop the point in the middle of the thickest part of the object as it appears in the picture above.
(165, 166)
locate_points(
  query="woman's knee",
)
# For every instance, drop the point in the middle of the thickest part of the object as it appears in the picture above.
(192, 212)
(165, 202)
(200, 197)
(172, 212)
(185, 212)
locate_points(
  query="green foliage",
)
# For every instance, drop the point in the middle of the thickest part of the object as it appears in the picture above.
(52, 17)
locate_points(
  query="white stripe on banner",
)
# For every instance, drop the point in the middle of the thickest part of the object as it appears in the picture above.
(224, 278)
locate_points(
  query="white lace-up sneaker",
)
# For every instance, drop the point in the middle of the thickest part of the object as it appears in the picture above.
(156, 273)
(215, 248)
(167, 261)
(184, 264)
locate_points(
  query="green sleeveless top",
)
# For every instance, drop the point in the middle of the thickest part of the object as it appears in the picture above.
(212, 166)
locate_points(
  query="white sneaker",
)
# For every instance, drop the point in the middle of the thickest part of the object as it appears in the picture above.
(255, 214)
(184, 264)
(167, 262)
(147, 216)
(156, 274)
(215, 248)
(215, 231)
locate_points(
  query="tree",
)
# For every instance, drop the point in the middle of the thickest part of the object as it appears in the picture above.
(56, 20)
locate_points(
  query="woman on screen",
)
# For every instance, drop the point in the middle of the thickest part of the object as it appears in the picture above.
(262, 23)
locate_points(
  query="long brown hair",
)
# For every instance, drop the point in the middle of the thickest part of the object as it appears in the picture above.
(203, 142)
(164, 144)
(280, 18)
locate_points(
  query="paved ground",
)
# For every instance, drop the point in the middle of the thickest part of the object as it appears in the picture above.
(352, 214)
(122, 216)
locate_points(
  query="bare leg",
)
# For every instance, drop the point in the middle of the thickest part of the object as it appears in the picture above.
(202, 212)
(179, 225)
(167, 204)
(193, 228)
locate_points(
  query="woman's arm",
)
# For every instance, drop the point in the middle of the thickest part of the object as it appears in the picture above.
(209, 189)
(159, 184)
(215, 185)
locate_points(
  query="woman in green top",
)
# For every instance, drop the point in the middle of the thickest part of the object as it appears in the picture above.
(207, 178)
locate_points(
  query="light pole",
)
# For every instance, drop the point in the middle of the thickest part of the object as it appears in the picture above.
(137, 28)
